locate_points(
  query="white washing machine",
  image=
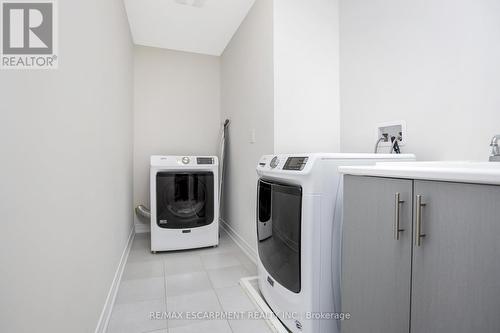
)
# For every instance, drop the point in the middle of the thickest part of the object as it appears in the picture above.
(298, 232)
(184, 202)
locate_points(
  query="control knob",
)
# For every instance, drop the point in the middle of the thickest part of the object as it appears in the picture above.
(274, 162)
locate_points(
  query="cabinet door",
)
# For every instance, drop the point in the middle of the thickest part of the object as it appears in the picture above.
(456, 268)
(376, 267)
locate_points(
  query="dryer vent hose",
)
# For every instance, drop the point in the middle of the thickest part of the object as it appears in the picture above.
(143, 211)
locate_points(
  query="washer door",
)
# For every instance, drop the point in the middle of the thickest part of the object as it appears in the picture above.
(184, 199)
(279, 215)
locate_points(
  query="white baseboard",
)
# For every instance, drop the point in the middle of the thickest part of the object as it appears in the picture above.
(102, 324)
(242, 244)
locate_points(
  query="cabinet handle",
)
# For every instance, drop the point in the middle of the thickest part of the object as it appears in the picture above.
(418, 233)
(397, 203)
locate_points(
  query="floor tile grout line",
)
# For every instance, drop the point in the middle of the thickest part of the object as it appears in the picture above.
(224, 267)
(239, 250)
(218, 298)
(243, 266)
(221, 251)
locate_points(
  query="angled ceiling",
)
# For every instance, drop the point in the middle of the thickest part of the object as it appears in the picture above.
(200, 26)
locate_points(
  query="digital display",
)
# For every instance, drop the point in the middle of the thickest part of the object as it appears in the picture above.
(205, 160)
(295, 163)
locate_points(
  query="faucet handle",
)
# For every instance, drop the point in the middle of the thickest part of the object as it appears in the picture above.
(495, 151)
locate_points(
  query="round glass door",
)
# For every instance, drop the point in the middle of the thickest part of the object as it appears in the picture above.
(184, 200)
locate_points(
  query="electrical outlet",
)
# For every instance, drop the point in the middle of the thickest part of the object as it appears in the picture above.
(392, 128)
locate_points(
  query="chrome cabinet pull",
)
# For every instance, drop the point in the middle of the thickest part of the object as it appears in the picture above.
(418, 232)
(396, 228)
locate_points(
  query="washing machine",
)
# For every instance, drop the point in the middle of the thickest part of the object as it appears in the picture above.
(299, 200)
(184, 202)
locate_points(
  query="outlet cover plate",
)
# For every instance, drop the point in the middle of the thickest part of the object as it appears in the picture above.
(393, 128)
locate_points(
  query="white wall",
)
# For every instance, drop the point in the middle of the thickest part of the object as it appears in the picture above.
(176, 110)
(66, 174)
(247, 100)
(433, 63)
(306, 60)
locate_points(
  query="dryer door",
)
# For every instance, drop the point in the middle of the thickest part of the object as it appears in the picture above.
(184, 199)
(279, 215)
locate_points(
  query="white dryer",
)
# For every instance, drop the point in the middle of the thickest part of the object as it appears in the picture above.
(184, 202)
(298, 232)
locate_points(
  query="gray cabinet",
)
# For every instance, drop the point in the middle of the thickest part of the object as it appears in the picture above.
(376, 267)
(447, 281)
(456, 268)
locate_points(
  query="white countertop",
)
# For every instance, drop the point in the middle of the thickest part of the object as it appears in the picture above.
(453, 171)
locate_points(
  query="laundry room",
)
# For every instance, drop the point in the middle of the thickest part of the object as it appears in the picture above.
(242, 166)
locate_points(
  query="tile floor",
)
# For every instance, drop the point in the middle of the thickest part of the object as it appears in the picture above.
(203, 280)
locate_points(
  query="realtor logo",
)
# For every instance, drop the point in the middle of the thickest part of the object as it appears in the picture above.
(28, 35)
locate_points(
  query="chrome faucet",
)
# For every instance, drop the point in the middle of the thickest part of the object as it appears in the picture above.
(495, 150)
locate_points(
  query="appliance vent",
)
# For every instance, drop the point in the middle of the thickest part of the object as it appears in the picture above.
(192, 3)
